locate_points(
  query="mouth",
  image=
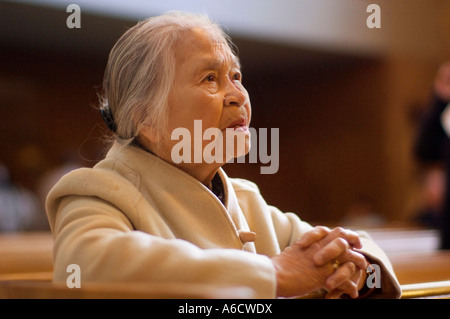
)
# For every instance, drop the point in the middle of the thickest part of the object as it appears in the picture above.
(239, 124)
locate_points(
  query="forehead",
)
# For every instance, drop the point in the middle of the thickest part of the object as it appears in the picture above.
(201, 46)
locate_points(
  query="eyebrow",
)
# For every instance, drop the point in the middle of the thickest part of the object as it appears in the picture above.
(212, 63)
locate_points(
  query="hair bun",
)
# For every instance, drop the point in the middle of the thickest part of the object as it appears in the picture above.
(107, 116)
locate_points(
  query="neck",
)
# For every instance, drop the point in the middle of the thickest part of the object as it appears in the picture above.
(202, 172)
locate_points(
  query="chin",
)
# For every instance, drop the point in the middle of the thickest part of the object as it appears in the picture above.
(238, 151)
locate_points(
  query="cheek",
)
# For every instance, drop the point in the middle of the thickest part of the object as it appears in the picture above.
(209, 110)
(184, 109)
(248, 108)
(175, 109)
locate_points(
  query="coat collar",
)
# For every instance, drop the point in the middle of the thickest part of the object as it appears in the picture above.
(181, 199)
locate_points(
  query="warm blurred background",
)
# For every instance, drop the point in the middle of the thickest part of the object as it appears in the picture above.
(346, 99)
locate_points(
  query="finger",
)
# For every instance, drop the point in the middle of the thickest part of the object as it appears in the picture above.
(312, 236)
(331, 251)
(355, 257)
(339, 249)
(350, 236)
(349, 287)
(337, 293)
(343, 274)
(334, 294)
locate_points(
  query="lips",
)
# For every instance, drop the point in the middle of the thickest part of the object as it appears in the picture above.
(238, 123)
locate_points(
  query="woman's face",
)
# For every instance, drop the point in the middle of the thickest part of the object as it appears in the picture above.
(207, 87)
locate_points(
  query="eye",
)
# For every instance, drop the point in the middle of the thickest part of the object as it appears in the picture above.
(210, 78)
(237, 76)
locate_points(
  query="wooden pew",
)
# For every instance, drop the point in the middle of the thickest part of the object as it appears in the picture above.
(42, 288)
(422, 267)
(26, 269)
(27, 252)
(414, 254)
(45, 289)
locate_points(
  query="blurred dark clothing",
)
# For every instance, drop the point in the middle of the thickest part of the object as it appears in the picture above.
(433, 146)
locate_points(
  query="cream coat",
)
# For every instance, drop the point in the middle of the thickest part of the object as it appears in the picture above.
(136, 218)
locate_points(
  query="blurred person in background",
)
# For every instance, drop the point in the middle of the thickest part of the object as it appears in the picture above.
(432, 182)
(433, 144)
(20, 209)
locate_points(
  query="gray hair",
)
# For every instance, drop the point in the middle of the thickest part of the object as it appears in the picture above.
(141, 69)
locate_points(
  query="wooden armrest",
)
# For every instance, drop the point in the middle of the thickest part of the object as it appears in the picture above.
(39, 276)
(438, 289)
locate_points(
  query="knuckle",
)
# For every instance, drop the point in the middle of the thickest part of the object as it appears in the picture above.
(352, 232)
(339, 231)
(341, 243)
(352, 267)
(315, 246)
(360, 260)
(322, 229)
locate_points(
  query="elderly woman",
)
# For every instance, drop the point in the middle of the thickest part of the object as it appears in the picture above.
(143, 215)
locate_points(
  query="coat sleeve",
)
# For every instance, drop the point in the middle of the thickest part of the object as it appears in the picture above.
(100, 239)
(383, 278)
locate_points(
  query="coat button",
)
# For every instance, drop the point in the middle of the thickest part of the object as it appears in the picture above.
(247, 236)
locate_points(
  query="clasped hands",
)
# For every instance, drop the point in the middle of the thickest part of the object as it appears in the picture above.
(322, 258)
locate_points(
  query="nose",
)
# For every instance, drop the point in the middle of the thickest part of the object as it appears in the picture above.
(236, 95)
